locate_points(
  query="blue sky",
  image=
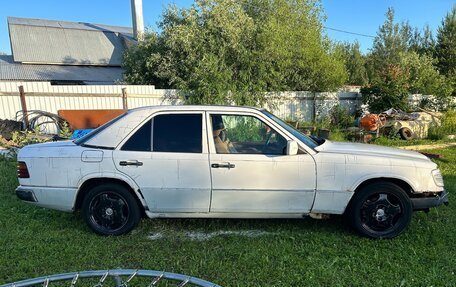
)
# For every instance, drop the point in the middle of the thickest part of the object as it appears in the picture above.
(359, 16)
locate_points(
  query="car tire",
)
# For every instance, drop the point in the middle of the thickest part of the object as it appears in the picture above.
(406, 134)
(380, 210)
(110, 209)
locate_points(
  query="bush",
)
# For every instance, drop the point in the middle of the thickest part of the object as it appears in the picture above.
(338, 136)
(435, 132)
(313, 127)
(341, 118)
(23, 138)
(390, 90)
(447, 127)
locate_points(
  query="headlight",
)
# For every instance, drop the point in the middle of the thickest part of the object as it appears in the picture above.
(438, 179)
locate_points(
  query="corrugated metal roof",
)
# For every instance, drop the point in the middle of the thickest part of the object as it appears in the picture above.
(35, 72)
(127, 31)
(69, 43)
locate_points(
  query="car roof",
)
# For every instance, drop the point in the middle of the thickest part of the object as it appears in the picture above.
(112, 134)
(196, 108)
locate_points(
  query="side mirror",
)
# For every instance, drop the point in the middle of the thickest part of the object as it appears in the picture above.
(292, 147)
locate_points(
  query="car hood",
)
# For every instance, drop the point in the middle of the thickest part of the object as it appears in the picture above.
(369, 149)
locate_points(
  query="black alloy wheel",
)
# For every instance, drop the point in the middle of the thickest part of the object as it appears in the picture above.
(380, 210)
(110, 209)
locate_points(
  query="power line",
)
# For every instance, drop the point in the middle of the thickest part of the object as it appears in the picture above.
(348, 32)
(328, 28)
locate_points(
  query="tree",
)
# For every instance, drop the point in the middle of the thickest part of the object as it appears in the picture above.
(427, 45)
(388, 87)
(401, 63)
(391, 40)
(445, 50)
(414, 74)
(424, 78)
(225, 51)
(140, 60)
(389, 91)
(355, 64)
(423, 42)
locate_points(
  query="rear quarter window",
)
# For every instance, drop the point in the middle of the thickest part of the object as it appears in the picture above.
(140, 140)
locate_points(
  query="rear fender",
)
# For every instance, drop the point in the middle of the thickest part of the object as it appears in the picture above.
(114, 176)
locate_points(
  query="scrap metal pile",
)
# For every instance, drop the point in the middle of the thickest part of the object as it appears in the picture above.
(396, 122)
(34, 126)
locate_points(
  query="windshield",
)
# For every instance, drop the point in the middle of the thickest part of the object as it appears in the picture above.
(302, 137)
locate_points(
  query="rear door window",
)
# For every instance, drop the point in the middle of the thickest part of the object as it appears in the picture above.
(180, 133)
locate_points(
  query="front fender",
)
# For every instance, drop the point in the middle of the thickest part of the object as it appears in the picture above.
(365, 178)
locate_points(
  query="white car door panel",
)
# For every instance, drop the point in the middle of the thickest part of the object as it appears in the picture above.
(170, 181)
(257, 183)
(261, 183)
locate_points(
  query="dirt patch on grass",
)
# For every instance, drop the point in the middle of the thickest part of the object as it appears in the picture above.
(428, 146)
(203, 236)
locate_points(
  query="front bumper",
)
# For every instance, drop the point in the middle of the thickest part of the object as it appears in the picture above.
(424, 203)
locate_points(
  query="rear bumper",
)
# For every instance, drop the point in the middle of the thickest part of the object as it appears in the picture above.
(26, 194)
(423, 203)
(49, 197)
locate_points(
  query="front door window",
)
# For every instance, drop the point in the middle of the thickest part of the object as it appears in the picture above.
(240, 134)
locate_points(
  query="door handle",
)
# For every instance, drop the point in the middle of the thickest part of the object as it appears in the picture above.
(130, 162)
(223, 165)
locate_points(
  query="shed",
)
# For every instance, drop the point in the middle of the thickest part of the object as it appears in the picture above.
(63, 52)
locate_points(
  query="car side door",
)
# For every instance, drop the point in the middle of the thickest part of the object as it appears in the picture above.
(250, 170)
(167, 156)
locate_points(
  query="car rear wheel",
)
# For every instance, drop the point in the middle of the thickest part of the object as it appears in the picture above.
(110, 209)
(380, 210)
(406, 134)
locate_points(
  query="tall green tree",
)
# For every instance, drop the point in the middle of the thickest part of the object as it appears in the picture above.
(225, 51)
(388, 86)
(422, 42)
(427, 45)
(391, 40)
(390, 90)
(355, 64)
(424, 78)
(445, 50)
(402, 63)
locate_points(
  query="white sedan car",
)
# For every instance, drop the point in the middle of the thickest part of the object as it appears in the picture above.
(224, 162)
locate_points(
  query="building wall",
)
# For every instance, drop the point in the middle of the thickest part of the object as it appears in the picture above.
(46, 97)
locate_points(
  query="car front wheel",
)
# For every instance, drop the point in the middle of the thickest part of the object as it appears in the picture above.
(380, 210)
(110, 209)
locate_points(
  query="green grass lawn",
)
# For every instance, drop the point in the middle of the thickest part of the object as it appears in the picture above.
(36, 242)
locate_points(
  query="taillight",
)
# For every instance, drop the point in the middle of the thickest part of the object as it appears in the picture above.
(22, 170)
